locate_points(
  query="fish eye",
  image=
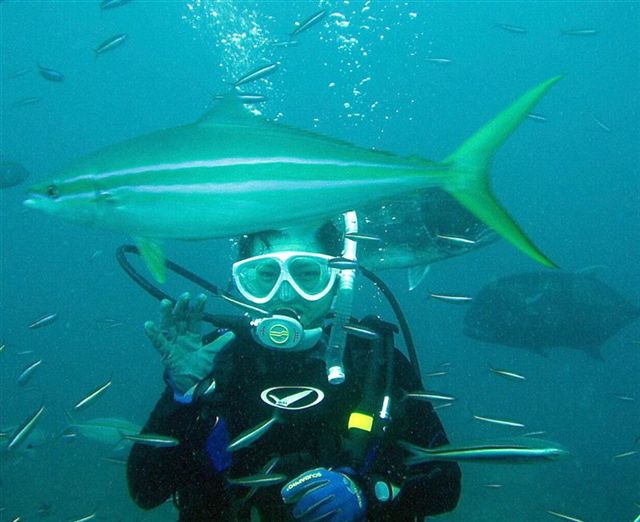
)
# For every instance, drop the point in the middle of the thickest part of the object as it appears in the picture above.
(52, 191)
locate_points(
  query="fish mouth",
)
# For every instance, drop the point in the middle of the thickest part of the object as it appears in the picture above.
(35, 200)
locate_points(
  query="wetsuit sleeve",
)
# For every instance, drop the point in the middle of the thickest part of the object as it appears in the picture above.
(426, 489)
(153, 474)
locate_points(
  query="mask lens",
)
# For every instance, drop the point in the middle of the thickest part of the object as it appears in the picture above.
(259, 277)
(312, 275)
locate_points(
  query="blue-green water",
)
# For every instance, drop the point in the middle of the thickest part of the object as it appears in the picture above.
(363, 75)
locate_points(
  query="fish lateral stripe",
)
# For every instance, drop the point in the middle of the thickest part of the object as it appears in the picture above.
(234, 162)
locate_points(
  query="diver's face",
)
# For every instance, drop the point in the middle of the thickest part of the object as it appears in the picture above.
(310, 313)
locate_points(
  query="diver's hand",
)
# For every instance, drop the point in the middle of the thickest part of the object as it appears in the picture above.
(321, 494)
(179, 342)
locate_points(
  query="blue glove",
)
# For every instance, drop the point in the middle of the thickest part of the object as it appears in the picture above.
(323, 495)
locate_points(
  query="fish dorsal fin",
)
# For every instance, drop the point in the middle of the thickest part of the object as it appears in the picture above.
(228, 108)
(416, 274)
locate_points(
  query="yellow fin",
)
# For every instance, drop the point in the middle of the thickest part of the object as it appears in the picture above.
(153, 256)
(470, 163)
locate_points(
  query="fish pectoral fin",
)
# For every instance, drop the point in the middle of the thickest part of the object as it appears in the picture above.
(153, 257)
(469, 166)
(416, 274)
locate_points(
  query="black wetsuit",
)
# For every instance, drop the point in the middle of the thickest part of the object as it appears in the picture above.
(304, 439)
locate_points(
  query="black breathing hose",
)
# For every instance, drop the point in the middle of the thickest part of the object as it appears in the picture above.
(233, 322)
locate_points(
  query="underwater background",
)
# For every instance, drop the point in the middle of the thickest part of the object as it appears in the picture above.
(409, 77)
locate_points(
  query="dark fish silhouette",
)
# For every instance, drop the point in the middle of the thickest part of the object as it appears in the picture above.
(12, 173)
(540, 310)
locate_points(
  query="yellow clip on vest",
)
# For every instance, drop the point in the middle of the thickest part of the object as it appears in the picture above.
(360, 421)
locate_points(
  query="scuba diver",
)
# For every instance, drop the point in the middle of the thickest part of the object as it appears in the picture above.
(279, 417)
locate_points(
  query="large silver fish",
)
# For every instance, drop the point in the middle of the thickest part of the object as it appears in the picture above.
(235, 173)
(416, 230)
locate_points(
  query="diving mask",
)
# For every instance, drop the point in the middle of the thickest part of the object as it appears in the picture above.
(259, 278)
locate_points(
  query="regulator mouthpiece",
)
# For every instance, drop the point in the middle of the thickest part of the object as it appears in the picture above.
(284, 333)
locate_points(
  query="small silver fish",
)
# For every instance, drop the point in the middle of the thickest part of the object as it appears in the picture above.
(110, 43)
(256, 74)
(23, 431)
(499, 421)
(43, 321)
(438, 60)
(110, 4)
(579, 32)
(50, 74)
(17, 74)
(108, 324)
(151, 439)
(266, 469)
(506, 373)
(259, 480)
(534, 433)
(627, 398)
(625, 454)
(69, 435)
(457, 239)
(27, 100)
(248, 98)
(453, 299)
(428, 396)
(342, 263)
(511, 450)
(537, 117)
(249, 436)
(112, 460)
(356, 236)
(26, 374)
(436, 374)
(85, 518)
(309, 22)
(285, 43)
(210, 388)
(493, 486)
(599, 123)
(91, 397)
(361, 331)
(563, 516)
(512, 28)
(241, 304)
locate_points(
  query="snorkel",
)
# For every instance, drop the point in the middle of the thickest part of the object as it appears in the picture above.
(342, 305)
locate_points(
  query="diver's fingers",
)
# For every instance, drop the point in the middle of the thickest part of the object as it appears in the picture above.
(195, 317)
(157, 338)
(214, 347)
(181, 313)
(166, 315)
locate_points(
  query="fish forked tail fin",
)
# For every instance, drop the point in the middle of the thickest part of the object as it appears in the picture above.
(470, 164)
